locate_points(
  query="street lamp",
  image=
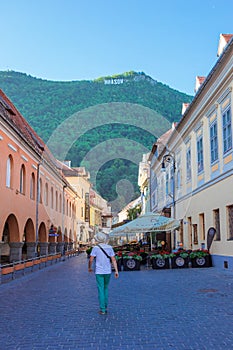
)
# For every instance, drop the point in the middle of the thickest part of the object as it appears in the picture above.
(170, 158)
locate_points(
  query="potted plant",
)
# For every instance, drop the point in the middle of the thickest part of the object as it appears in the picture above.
(160, 260)
(131, 261)
(180, 259)
(200, 258)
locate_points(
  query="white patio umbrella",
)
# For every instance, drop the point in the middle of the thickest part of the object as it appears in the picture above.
(148, 222)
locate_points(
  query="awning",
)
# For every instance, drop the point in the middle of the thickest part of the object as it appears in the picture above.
(149, 222)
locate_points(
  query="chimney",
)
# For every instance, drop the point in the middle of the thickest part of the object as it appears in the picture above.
(199, 82)
(184, 107)
(223, 41)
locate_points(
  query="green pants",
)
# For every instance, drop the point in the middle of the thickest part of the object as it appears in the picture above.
(102, 281)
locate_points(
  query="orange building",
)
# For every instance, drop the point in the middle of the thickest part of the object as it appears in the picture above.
(37, 203)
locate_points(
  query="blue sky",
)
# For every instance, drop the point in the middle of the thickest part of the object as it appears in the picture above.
(170, 40)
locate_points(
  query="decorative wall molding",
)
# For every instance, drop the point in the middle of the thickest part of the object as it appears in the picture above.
(12, 147)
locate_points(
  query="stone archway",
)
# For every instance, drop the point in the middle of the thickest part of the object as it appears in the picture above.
(71, 240)
(42, 248)
(29, 249)
(66, 240)
(60, 243)
(11, 247)
(4, 245)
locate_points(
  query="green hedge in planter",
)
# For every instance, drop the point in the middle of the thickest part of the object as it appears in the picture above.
(179, 259)
(131, 261)
(200, 258)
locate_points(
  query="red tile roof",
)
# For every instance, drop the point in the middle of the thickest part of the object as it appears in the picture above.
(16, 120)
(227, 37)
(201, 79)
(12, 116)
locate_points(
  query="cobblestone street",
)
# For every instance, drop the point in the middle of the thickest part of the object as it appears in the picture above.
(57, 308)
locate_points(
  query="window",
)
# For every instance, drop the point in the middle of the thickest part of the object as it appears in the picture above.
(32, 186)
(172, 181)
(188, 164)
(230, 221)
(227, 132)
(181, 232)
(213, 142)
(104, 222)
(200, 163)
(202, 225)
(40, 191)
(60, 203)
(22, 180)
(9, 166)
(167, 190)
(46, 194)
(52, 199)
(217, 224)
(195, 235)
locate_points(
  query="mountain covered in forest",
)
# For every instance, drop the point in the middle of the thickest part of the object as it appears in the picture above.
(130, 106)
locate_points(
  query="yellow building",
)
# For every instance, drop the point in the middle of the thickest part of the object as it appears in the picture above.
(198, 161)
(79, 179)
(100, 213)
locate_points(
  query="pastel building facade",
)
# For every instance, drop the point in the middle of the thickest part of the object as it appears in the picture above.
(100, 213)
(37, 206)
(79, 179)
(197, 162)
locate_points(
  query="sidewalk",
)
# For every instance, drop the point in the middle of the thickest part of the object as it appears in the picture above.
(57, 308)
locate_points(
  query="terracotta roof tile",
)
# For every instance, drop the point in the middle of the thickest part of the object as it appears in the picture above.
(19, 123)
(224, 39)
(12, 116)
(227, 37)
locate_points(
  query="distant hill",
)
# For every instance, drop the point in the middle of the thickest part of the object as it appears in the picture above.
(47, 104)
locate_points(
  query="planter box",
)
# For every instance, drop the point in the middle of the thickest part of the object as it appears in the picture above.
(119, 264)
(131, 264)
(160, 263)
(204, 261)
(179, 262)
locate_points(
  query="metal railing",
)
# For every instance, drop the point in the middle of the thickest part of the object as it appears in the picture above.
(21, 267)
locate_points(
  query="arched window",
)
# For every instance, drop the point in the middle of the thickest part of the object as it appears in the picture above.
(60, 203)
(56, 201)
(70, 210)
(46, 194)
(52, 199)
(32, 186)
(9, 172)
(40, 191)
(22, 179)
(67, 207)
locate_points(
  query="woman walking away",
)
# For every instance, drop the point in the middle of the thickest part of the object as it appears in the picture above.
(104, 255)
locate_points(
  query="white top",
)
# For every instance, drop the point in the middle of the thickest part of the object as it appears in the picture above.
(103, 264)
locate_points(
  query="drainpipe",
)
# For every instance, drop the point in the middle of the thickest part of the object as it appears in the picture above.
(63, 210)
(38, 189)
